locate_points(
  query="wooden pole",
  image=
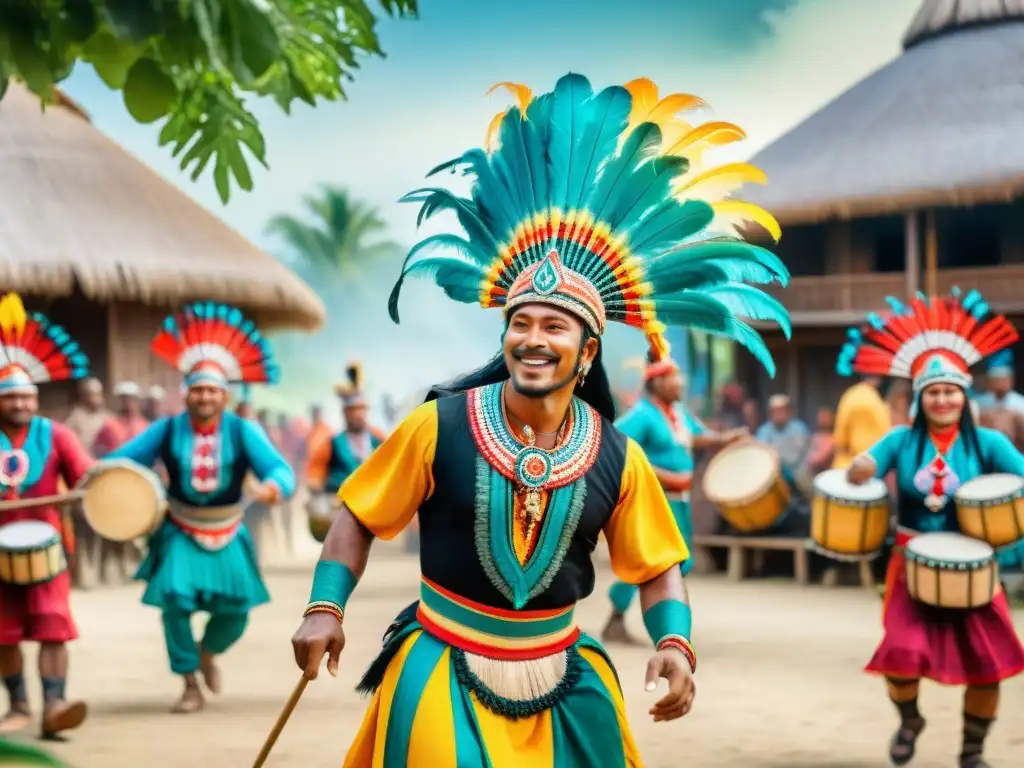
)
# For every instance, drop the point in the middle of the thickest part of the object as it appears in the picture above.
(931, 254)
(912, 251)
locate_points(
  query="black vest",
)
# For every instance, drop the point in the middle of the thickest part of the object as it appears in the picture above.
(179, 468)
(448, 555)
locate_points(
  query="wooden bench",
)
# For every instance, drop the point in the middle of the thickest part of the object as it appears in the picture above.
(740, 546)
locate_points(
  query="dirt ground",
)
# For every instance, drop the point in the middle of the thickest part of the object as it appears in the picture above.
(780, 682)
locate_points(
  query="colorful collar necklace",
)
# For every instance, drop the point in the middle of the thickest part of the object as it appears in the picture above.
(527, 465)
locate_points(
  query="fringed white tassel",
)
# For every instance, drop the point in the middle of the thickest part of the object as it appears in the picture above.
(520, 680)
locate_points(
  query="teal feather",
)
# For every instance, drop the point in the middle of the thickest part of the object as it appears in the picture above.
(753, 303)
(671, 223)
(460, 279)
(642, 142)
(670, 272)
(609, 115)
(435, 199)
(568, 121)
(706, 313)
(649, 187)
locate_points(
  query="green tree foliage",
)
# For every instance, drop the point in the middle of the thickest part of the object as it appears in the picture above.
(337, 237)
(196, 62)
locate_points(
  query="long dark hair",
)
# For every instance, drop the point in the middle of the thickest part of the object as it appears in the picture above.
(968, 430)
(595, 390)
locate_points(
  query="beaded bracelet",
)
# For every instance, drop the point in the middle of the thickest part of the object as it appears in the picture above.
(325, 606)
(681, 644)
(333, 583)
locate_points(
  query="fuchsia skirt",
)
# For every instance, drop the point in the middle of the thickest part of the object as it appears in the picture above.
(976, 647)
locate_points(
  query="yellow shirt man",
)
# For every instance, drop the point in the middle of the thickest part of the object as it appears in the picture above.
(862, 419)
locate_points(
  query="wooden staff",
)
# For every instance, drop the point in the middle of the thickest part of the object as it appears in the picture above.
(39, 501)
(282, 720)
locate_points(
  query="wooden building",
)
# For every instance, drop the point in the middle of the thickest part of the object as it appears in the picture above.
(101, 244)
(913, 179)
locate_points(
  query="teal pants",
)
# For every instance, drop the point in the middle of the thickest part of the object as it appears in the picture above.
(622, 594)
(222, 631)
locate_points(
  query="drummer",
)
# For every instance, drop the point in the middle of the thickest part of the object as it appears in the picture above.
(940, 451)
(668, 433)
(35, 454)
(192, 566)
(332, 460)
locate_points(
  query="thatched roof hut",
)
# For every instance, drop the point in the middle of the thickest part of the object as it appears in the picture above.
(940, 125)
(78, 209)
(107, 247)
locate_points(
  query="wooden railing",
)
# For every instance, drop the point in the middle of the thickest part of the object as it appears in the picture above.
(831, 297)
(840, 293)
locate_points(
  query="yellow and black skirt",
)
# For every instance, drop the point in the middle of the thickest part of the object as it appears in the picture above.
(462, 685)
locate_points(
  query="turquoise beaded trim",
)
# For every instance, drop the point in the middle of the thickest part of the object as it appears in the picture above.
(533, 467)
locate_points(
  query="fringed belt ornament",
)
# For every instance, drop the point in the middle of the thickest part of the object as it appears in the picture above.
(518, 663)
(212, 528)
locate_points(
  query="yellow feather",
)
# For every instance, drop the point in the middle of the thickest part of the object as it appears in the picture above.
(644, 94)
(714, 133)
(672, 105)
(521, 93)
(493, 129)
(12, 314)
(734, 212)
(718, 183)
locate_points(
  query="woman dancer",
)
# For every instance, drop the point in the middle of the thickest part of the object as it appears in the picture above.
(933, 342)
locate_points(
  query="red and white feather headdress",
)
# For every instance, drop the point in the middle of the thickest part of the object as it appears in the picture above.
(929, 340)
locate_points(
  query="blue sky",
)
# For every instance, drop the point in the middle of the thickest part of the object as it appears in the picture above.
(763, 64)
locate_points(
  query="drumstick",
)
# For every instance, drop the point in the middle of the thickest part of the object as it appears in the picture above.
(282, 720)
(39, 501)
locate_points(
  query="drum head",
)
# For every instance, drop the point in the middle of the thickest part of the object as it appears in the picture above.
(121, 503)
(989, 487)
(27, 534)
(949, 548)
(740, 472)
(833, 483)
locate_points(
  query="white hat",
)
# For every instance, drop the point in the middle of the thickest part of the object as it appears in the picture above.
(127, 389)
(156, 393)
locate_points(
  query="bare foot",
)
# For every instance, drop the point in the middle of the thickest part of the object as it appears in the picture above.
(191, 701)
(16, 719)
(615, 631)
(211, 673)
(63, 716)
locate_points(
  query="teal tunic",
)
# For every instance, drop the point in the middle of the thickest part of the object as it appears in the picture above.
(898, 451)
(183, 576)
(343, 461)
(668, 450)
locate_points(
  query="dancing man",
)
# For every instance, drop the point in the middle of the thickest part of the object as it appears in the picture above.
(201, 559)
(668, 433)
(517, 468)
(35, 455)
(933, 342)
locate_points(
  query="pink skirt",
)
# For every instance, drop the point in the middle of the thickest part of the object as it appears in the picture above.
(975, 647)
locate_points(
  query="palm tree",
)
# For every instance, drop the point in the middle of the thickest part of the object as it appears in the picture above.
(338, 236)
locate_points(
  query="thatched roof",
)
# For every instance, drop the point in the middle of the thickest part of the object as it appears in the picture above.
(78, 209)
(940, 125)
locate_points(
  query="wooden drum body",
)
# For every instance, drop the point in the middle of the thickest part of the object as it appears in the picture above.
(947, 570)
(123, 500)
(849, 521)
(322, 509)
(991, 508)
(31, 552)
(745, 482)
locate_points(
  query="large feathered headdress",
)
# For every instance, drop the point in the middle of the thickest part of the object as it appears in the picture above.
(595, 202)
(929, 340)
(214, 344)
(33, 350)
(351, 390)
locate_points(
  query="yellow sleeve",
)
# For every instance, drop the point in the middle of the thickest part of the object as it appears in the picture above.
(319, 460)
(387, 489)
(643, 538)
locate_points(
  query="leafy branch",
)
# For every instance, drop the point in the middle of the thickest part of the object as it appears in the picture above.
(196, 62)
